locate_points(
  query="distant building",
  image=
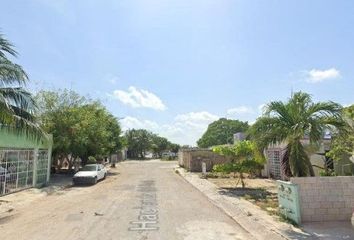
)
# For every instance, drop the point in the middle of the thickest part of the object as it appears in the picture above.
(240, 136)
(319, 160)
(192, 158)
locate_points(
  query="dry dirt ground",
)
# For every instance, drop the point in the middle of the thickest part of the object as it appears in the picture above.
(268, 184)
(138, 200)
(259, 191)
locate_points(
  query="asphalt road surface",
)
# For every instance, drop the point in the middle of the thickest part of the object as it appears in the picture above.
(140, 200)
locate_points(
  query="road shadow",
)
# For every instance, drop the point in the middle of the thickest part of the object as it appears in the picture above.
(57, 183)
(257, 193)
(112, 174)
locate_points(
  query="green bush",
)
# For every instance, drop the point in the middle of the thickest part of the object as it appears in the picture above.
(91, 160)
(328, 173)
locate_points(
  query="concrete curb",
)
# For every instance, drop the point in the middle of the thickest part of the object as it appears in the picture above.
(248, 216)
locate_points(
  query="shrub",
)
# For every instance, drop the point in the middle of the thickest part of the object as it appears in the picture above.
(91, 160)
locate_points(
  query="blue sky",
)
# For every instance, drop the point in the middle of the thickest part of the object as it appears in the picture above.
(174, 66)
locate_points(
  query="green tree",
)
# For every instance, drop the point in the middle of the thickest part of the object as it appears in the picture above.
(139, 141)
(343, 141)
(289, 122)
(245, 158)
(17, 107)
(159, 145)
(80, 127)
(174, 147)
(221, 132)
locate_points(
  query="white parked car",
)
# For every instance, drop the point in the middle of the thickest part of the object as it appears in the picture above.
(90, 174)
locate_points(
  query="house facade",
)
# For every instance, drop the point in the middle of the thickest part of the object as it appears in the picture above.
(318, 158)
(24, 162)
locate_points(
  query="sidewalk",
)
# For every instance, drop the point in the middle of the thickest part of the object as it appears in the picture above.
(261, 225)
(58, 184)
(11, 203)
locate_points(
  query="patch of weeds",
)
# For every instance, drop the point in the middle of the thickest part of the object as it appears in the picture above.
(211, 175)
(267, 201)
(217, 175)
(285, 219)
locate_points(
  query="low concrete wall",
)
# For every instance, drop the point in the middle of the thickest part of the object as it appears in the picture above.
(191, 159)
(325, 198)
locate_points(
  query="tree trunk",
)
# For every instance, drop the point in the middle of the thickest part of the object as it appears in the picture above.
(285, 163)
(84, 160)
(310, 167)
(242, 182)
(70, 160)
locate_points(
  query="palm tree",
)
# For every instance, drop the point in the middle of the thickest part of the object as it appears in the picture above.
(17, 106)
(290, 123)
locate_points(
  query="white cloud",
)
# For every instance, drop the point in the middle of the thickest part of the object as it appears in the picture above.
(139, 98)
(131, 122)
(316, 75)
(185, 128)
(196, 118)
(240, 110)
(245, 113)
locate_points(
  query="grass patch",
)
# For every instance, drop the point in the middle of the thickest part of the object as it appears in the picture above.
(217, 175)
(267, 201)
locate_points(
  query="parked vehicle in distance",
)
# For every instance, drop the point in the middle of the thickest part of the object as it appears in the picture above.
(169, 155)
(90, 174)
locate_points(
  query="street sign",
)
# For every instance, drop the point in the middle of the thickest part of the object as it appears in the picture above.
(288, 197)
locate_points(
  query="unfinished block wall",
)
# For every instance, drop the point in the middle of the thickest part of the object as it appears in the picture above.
(325, 198)
(191, 159)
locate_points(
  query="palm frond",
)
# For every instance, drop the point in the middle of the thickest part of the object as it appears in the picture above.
(279, 109)
(268, 130)
(20, 98)
(11, 73)
(328, 109)
(6, 47)
(17, 112)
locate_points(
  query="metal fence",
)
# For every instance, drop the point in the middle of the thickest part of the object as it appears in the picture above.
(22, 168)
(274, 156)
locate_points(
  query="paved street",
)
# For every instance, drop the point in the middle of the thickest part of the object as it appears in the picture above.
(139, 200)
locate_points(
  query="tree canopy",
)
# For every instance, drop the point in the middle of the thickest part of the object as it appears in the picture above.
(245, 158)
(80, 127)
(343, 141)
(221, 132)
(141, 141)
(290, 122)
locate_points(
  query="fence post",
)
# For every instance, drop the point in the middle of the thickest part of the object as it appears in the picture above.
(204, 169)
(49, 162)
(35, 161)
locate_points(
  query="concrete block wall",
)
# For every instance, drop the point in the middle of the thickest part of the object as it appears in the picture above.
(191, 159)
(325, 198)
